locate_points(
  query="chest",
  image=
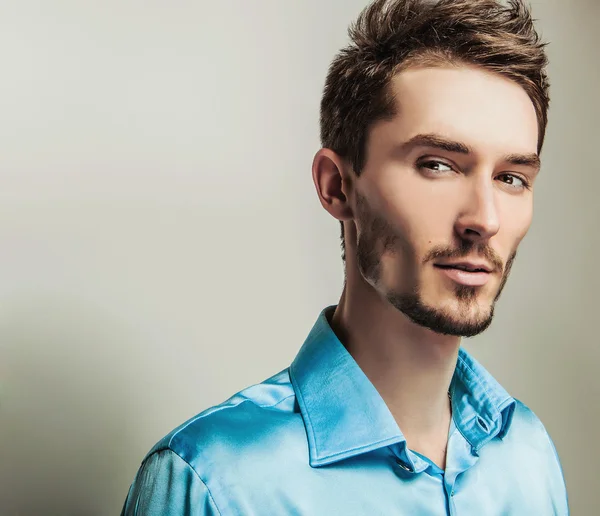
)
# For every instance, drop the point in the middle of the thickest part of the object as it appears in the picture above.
(377, 485)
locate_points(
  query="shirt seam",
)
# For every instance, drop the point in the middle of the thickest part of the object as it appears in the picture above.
(482, 381)
(200, 479)
(542, 428)
(204, 483)
(299, 394)
(362, 446)
(200, 416)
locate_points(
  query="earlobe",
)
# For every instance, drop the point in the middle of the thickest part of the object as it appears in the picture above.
(332, 183)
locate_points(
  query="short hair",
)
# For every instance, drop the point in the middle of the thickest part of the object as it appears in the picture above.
(392, 35)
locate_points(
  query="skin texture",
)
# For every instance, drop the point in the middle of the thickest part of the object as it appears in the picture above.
(416, 204)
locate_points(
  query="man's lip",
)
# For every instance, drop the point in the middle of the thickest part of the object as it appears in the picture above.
(462, 277)
(469, 265)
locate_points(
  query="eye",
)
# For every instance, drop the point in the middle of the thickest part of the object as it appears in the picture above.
(435, 166)
(516, 182)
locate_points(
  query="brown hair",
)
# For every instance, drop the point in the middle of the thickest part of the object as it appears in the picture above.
(392, 35)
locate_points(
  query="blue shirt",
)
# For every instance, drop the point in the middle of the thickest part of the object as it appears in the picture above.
(318, 439)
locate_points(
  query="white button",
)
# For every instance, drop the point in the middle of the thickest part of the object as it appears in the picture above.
(403, 466)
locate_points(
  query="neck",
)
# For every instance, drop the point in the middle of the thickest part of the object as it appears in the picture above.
(410, 366)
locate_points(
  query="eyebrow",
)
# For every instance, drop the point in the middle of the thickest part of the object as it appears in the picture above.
(439, 142)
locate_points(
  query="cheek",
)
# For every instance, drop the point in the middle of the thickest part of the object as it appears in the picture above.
(418, 209)
(515, 223)
(416, 230)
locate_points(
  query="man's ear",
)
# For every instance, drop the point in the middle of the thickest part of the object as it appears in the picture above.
(333, 182)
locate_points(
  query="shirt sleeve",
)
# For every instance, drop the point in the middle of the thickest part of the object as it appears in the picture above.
(166, 485)
(561, 500)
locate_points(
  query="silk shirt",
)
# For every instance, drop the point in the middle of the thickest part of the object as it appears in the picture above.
(318, 439)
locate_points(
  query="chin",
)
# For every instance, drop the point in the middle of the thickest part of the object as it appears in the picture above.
(453, 317)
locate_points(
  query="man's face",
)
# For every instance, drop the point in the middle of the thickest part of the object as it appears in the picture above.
(423, 204)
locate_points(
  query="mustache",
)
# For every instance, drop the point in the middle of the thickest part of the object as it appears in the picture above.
(468, 250)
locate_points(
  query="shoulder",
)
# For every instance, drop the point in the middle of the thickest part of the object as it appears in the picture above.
(526, 424)
(243, 425)
(539, 456)
(527, 429)
(530, 436)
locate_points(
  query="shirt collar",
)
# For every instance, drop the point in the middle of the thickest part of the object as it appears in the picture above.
(344, 415)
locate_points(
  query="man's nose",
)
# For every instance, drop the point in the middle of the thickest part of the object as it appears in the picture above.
(479, 218)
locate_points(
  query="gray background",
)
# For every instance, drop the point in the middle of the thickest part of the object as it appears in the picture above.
(162, 245)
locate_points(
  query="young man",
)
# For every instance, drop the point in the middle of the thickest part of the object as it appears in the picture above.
(432, 122)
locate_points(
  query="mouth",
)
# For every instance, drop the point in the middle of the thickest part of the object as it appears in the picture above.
(466, 268)
(468, 275)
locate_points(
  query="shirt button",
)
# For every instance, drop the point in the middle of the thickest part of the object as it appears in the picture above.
(405, 467)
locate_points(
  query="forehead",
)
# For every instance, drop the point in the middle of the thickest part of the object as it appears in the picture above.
(489, 112)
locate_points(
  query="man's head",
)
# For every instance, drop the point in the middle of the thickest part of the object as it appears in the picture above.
(432, 121)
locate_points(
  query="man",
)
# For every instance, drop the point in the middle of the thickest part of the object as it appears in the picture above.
(432, 122)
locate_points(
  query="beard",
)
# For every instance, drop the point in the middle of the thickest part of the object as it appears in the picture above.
(377, 237)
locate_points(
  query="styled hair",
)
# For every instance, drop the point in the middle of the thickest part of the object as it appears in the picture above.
(390, 36)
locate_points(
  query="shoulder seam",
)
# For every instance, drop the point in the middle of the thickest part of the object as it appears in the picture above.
(168, 446)
(218, 409)
(558, 463)
(199, 478)
(538, 422)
